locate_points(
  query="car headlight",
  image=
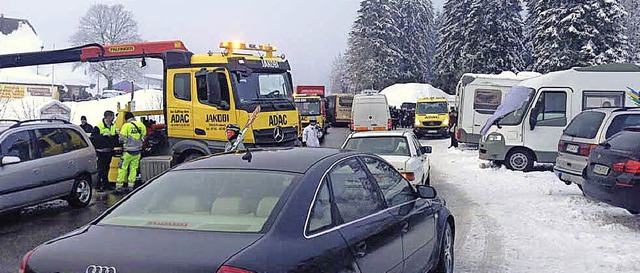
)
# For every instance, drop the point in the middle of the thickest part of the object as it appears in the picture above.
(446, 122)
(417, 123)
(494, 137)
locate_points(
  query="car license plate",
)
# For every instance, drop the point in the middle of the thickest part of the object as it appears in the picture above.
(572, 148)
(432, 132)
(601, 169)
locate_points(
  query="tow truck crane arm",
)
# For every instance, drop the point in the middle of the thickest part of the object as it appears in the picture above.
(91, 53)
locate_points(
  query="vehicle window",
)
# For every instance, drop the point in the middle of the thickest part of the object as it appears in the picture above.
(206, 200)
(395, 189)
(203, 91)
(417, 145)
(346, 101)
(321, 211)
(592, 99)
(51, 141)
(18, 144)
(622, 121)
(487, 100)
(423, 108)
(76, 141)
(355, 196)
(626, 141)
(551, 105)
(182, 86)
(396, 145)
(308, 107)
(585, 125)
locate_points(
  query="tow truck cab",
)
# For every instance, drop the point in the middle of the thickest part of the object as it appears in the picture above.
(432, 117)
(310, 102)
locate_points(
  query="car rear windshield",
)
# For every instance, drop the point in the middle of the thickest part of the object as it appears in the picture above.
(585, 125)
(204, 200)
(380, 145)
(626, 141)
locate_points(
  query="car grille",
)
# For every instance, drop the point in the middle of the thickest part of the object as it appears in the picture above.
(432, 123)
(265, 136)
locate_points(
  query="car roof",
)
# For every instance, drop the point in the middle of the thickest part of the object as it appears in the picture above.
(379, 134)
(609, 110)
(297, 160)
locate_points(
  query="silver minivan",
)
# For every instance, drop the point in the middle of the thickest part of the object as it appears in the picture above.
(43, 160)
(585, 132)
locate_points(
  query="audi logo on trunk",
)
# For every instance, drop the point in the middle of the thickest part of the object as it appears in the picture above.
(100, 269)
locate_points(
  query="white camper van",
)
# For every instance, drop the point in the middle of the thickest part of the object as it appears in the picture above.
(370, 112)
(478, 96)
(528, 124)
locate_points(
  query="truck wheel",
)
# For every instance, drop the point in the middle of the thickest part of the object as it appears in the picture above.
(519, 160)
(80, 195)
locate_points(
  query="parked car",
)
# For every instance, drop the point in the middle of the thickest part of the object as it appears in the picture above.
(400, 148)
(111, 93)
(613, 173)
(43, 160)
(584, 133)
(279, 210)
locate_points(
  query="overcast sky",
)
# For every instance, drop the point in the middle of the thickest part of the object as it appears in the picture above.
(309, 32)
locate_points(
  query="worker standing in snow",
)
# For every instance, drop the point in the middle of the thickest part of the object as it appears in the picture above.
(132, 136)
(312, 134)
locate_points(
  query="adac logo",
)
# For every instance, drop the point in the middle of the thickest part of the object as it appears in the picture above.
(634, 95)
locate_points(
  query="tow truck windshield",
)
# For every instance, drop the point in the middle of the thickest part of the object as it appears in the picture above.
(431, 108)
(270, 90)
(308, 107)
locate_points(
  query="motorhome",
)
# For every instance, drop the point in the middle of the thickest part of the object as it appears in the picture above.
(478, 96)
(528, 124)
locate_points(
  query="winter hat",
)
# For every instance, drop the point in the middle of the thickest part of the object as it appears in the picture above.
(233, 127)
(128, 115)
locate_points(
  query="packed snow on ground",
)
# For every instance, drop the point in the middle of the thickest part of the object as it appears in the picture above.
(411, 92)
(532, 222)
(29, 107)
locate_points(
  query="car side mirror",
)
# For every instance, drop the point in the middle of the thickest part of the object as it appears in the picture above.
(426, 149)
(426, 192)
(8, 160)
(533, 121)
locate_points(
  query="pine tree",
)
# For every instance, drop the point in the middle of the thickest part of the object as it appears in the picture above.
(450, 44)
(416, 40)
(572, 34)
(373, 55)
(633, 28)
(493, 36)
(338, 81)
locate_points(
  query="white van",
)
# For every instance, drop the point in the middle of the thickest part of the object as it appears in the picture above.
(370, 112)
(527, 125)
(478, 96)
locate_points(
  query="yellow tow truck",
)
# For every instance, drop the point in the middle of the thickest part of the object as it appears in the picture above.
(432, 117)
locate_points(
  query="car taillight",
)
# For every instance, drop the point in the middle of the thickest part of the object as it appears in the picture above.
(230, 269)
(351, 126)
(631, 166)
(585, 149)
(459, 134)
(561, 147)
(389, 124)
(409, 176)
(25, 260)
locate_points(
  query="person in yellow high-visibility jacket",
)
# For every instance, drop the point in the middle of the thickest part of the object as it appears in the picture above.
(132, 136)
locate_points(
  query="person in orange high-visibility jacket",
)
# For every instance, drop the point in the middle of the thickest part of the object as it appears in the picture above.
(132, 136)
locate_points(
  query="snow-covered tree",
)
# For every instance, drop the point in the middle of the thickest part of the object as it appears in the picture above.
(373, 54)
(584, 33)
(450, 44)
(338, 76)
(109, 24)
(493, 37)
(416, 40)
(633, 28)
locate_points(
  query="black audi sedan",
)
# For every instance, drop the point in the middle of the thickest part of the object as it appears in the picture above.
(613, 173)
(283, 210)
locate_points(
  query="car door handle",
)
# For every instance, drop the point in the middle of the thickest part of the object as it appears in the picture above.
(71, 163)
(36, 171)
(361, 249)
(200, 132)
(405, 227)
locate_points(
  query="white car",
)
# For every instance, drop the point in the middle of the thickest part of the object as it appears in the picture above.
(400, 148)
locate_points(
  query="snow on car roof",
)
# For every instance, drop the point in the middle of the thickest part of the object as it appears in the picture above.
(379, 133)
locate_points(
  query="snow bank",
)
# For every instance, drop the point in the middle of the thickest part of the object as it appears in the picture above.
(411, 92)
(535, 222)
(29, 107)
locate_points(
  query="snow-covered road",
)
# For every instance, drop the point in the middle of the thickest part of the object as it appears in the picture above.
(529, 222)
